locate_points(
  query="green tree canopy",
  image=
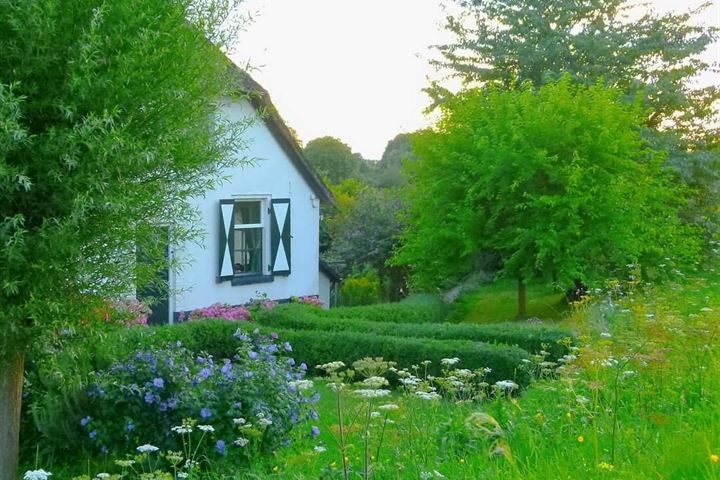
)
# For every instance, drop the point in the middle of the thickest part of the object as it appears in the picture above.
(654, 56)
(558, 182)
(332, 158)
(108, 125)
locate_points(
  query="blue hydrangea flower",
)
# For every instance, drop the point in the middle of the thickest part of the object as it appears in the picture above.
(85, 421)
(205, 413)
(314, 431)
(159, 382)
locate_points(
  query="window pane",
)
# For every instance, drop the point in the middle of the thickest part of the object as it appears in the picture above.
(247, 257)
(246, 213)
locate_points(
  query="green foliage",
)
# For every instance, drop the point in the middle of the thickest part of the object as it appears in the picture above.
(332, 158)
(531, 338)
(108, 125)
(557, 181)
(649, 55)
(410, 312)
(363, 289)
(316, 347)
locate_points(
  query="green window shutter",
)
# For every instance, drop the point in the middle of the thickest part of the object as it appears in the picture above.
(225, 262)
(280, 237)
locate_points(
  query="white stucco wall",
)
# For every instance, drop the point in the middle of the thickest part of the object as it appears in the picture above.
(272, 176)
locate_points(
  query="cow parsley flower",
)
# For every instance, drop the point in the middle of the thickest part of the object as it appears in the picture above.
(147, 448)
(372, 393)
(36, 475)
(206, 428)
(506, 385)
(449, 361)
(241, 442)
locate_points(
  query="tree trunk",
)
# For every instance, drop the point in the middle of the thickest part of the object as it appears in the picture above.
(11, 384)
(521, 298)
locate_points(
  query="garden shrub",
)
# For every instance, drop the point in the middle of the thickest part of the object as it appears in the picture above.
(392, 312)
(532, 338)
(360, 290)
(316, 347)
(139, 398)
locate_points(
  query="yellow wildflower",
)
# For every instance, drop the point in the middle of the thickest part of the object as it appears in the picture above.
(714, 458)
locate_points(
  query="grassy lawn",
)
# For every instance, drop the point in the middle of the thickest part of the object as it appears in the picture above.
(497, 302)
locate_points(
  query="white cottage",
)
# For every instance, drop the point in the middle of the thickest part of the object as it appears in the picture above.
(262, 226)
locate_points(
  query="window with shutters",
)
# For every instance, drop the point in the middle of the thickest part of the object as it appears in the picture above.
(255, 240)
(247, 255)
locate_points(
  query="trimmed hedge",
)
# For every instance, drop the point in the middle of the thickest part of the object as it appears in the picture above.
(408, 312)
(531, 338)
(316, 347)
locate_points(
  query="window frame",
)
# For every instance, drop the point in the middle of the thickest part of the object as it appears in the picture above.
(264, 275)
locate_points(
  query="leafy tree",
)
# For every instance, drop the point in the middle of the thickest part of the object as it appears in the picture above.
(540, 40)
(558, 182)
(363, 230)
(332, 159)
(108, 125)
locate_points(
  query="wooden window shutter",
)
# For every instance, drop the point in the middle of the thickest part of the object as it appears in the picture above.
(280, 237)
(225, 262)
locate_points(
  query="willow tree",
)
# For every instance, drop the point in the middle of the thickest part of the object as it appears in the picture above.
(558, 182)
(108, 125)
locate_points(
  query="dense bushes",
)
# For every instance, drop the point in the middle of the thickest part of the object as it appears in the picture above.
(315, 347)
(532, 338)
(144, 381)
(418, 312)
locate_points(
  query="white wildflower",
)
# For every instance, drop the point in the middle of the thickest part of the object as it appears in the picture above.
(147, 448)
(239, 421)
(183, 475)
(428, 395)
(302, 384)
(629, 373)
(241, 442)
(506, 385)
(331, 366)
(606, 334)
(582, 400)
(181, 429)
(389, 406)
(375, 382)
(124, 463)
(102, 476)
(206, 428)
(36, 475)
(265, 422)
(371, 393)
(374, 414)
(320, 449)
(449, 361)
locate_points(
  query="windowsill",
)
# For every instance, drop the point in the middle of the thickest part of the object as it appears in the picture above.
(250, 279)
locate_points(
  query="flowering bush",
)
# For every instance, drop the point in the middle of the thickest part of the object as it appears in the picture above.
(141, 398)
(308, 300)
(218, 310)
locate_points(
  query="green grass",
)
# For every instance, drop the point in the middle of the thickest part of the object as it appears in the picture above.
(497, 302)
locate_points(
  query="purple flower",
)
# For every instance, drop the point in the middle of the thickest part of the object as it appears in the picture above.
(291, 361)
(200, 359)
(220, 447)
(272, 348)
(92, 434)
(303, 366)
(85, 421)
(205, 373)
(149, 397)
(314, 431)
(103, 449)
(130, 426)
(314, 415)
(159, 382)
(274, 335)
(227, 367)
(205, 413)
(287, 346)
(253, 355)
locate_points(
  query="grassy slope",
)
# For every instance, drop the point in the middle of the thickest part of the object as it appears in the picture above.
(497, 302)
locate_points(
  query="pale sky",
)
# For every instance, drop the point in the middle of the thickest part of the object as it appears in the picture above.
(355, 69)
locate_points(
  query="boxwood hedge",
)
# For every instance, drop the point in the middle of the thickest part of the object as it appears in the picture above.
(531, 338)
(315, 347)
